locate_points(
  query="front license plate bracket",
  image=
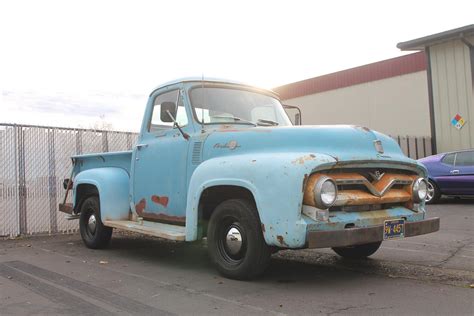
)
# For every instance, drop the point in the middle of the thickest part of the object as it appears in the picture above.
(393, 228)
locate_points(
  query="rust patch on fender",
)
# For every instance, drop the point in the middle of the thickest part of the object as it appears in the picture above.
(305, 179)
(140, 206)
(281, 241)
(303, 159)
(162, 200)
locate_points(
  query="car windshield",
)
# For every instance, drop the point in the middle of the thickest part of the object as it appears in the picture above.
(217, 105)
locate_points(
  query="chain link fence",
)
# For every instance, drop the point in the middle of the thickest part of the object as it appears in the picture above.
(34, 160)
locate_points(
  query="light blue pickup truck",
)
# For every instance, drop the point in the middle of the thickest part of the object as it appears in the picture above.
(221, 160)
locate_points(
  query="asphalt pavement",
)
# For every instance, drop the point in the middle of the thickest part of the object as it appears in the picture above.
(424, 275)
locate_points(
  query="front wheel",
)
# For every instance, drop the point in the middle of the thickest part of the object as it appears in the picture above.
(235, 240)
(93, 232)
(358, 251)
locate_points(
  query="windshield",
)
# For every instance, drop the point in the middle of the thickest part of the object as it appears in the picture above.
(215, 105)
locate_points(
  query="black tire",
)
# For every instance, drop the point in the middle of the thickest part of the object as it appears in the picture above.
(94, 236)
(434, 194)
(358, 251)
(253, 256)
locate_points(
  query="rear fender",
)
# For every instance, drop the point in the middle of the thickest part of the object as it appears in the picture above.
(113, 187)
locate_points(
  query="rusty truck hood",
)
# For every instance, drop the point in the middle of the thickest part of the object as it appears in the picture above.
(344, 143)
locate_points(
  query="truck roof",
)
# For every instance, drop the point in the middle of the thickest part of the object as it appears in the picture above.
(213, 80)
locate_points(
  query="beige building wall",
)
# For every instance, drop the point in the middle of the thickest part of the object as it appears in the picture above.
(397, 106)
(452, 94)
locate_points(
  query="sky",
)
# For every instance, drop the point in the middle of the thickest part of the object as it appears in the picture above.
(93, 63)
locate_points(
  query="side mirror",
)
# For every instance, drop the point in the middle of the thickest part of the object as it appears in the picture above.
(165, 107)
(295, 112)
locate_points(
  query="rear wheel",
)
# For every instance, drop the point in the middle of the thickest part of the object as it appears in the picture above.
(358, 251)
(235, 240)
(433, 195)
(93, 232)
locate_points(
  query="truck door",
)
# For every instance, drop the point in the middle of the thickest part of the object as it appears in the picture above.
(160, 160)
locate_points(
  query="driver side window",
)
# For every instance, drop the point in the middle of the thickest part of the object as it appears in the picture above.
(157, 122)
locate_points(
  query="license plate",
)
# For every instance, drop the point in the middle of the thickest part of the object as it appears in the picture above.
(394, 228)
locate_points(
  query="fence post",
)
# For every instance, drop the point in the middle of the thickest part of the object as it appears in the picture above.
(79, 142)
(129, 141)
(53, 221)
(105, 142)
(21, 180)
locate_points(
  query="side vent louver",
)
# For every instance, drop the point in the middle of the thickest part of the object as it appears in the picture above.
(197, 153)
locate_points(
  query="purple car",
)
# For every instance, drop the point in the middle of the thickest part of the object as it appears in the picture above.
(450, 174)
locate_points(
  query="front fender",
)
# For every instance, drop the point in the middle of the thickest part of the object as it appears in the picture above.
(276, 181)
(112, 185)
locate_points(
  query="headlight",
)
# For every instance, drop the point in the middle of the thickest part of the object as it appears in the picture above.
(420, 190)
(325, 192)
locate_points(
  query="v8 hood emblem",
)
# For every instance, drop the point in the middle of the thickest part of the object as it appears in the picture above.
(376, 175)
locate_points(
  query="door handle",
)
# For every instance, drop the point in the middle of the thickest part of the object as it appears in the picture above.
(454, 171)
(140, 146)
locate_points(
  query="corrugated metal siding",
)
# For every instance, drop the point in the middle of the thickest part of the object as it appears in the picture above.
(452, 94)
(372, 72)
(396, 106)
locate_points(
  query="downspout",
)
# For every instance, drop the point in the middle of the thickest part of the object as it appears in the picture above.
(471, 52)
(431, 102)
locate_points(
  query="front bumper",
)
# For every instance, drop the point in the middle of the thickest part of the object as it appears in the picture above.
(365, 235)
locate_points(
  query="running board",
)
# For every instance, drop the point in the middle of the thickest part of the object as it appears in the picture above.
(166, 231)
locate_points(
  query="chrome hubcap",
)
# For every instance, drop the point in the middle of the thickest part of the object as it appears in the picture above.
(430, 193)
(92, 223)
(233, 241)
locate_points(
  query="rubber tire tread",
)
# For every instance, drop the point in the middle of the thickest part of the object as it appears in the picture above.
(103, 234)
(358, 251)
(258, 253)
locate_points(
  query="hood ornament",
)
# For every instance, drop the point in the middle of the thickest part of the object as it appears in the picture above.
(378, 146)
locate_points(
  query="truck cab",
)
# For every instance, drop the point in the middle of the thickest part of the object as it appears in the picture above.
(221, 160)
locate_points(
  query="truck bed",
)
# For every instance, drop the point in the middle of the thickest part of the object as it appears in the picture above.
(119, 159)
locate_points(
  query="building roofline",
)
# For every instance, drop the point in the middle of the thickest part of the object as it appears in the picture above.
(422, 42)
(384, 69)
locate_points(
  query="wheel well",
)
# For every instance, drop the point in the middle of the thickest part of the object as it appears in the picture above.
(213, 196)
(434, 183)
(83, 191)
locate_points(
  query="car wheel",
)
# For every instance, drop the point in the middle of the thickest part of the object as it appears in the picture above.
(433, 195)
(235, 240)
(358, 251)
(93, 232)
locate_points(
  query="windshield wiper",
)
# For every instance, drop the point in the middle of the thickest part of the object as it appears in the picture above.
(267, 122)
(235, 118)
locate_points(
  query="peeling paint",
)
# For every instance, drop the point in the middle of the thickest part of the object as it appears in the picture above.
(361, 128)
(140, 206)
(163, 200)
(281, 240)
(303, 159)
